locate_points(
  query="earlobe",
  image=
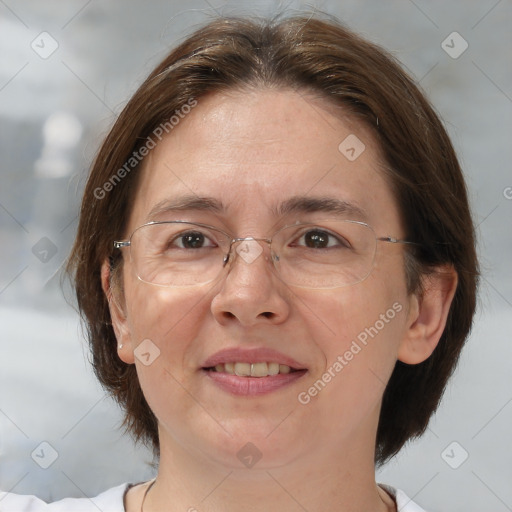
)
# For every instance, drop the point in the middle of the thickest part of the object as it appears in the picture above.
(118, 316)
(428, 314)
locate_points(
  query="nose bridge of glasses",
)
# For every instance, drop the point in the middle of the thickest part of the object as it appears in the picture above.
(247, 248)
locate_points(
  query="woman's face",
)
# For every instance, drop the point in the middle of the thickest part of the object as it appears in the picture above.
(250, 153)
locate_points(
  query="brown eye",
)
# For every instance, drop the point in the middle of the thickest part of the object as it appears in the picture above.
(192, 240)
(321, 239)
(316, 239)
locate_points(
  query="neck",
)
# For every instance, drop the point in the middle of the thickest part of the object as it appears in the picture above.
(322, 480)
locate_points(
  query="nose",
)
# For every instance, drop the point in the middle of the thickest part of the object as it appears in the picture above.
(250, 292)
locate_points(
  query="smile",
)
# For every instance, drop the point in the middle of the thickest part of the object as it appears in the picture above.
(250, 372)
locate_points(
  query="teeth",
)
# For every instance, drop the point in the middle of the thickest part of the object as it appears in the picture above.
(284, 369)
(242, 369)
(273, 368)
(252, 369)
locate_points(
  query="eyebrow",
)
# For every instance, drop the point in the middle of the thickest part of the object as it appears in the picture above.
(296, 204)
(184, 203)
(306, 204)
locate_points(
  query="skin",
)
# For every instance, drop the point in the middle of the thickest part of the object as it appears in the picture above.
(252, 150)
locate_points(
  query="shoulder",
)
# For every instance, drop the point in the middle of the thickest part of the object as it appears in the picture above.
(403, 502)
(108, 501)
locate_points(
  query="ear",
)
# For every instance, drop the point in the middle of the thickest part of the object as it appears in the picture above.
(427, 315)
(118, 316)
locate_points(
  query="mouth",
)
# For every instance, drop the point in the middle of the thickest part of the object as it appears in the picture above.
(251, 372)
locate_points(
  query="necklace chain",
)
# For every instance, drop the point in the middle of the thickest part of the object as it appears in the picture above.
(145, 494)
(153, 482)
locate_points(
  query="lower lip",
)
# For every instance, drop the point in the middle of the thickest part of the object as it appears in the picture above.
(253, 386)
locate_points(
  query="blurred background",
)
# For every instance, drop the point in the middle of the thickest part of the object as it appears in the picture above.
(66, 71)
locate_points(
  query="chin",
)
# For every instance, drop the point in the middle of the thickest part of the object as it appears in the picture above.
(253, 450)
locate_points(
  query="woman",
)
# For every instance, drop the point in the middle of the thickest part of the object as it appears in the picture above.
(276, 264)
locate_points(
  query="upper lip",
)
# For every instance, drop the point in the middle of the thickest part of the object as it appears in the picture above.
(256, 355)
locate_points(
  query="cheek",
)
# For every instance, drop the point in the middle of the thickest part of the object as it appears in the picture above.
(164, 323)
(360, 354)
(169, 318)
(365, 326)
(371, 309)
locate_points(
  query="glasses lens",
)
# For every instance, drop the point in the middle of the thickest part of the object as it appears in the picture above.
(178, 253)
(329, 254)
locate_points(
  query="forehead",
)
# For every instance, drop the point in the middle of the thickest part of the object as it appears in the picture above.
(254, 150)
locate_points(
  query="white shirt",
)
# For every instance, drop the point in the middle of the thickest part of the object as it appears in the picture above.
(113, 501)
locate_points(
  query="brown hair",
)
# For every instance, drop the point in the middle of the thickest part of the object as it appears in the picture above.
(324, 57)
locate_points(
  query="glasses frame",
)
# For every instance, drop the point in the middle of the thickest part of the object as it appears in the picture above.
(120, 244)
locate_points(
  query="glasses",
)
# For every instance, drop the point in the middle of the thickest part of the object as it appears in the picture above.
(326, 254)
